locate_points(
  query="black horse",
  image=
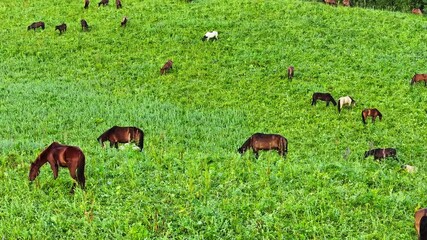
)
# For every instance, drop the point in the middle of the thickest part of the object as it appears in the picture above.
(35, 25)
(380, 153)
(62, 28)
(327, 97)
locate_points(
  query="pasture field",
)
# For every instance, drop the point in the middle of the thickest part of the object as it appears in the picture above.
(190, 182)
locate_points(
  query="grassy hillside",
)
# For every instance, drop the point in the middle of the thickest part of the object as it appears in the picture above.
(190, 182)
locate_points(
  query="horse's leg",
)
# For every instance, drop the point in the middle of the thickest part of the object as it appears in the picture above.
(256, 154)
(54, 166)
(327, 103)
(313, 102)
(73, 175)
(373, 118)
(116, 145)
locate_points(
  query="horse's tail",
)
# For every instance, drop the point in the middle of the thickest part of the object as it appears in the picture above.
(363, 117)
(81, 172)
(285, 146)
(141, 139)
(339, 105)
(380, 115)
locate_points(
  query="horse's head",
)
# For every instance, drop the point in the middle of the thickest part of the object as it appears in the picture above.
(367, 153)
(34, 172)
(241, 150)
(101, 140)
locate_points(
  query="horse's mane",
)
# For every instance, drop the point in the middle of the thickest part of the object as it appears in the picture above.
(42, 155)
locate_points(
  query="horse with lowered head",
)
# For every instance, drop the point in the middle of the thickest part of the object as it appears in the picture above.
(373, 112)
(347, 100)
(116, 135)
(418, 77)
(420, 222)
(35, 25)
(380, 153)
(327, 97)
(59, 155)
(261, 141)
(168, 66)
(291, 72)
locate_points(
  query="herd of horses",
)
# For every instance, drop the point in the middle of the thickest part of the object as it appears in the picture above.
(72, 157)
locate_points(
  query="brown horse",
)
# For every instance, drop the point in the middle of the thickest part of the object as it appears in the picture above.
(166, 67)
(85, 26)
(86, 4)
(346, 3)
(103, 3)
(62, 28)
(419, 78)
(261, 141)
(324, 97)
(380, 153)
(118, 4)
(35, 25)
(418, 11)
(330, 2)
(373, 112)
(290, 72)
(118, 135)
(124, 22)
(63, 156)
(420, 222)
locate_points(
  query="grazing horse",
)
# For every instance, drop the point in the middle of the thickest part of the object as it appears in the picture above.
(118, 4)
(103, 2)
(373, 112)
(330, 2)
(62, 28)
(166, 67)
(380, 153)
(290, 72)
(418, 77)
(63, 156)
(210, 35)
(86, 4)
(85, 27)
(35, 25)
(124, 22)
(324, 97)
(418, 11)
(261, 141)
(346, 3)
(347, 100)
(118, 135)
(420, 222)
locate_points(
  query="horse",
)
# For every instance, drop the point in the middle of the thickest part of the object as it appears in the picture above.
(330, 2)
(124, 22)
(261, 141)
(409, 168)
(63, 156)
(86, 4)
(103, 2)
(420, 222)
(290, 72)
(118, 4)
(118, 135)
(85, 26)
(419, 77)
(346, 3)
(166, 67)
(347, 100)
(418, 11)
(324, 97)
(210, 35)
(35, 25)
(380, 153)
(373, 112)
(62, 28)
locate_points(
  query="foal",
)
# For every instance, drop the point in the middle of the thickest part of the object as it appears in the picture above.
(166, 67)
(380, 153)
(290, 72)
(261, 141)
(373, 112)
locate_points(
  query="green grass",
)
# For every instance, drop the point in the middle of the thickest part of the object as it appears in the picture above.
(190, 182)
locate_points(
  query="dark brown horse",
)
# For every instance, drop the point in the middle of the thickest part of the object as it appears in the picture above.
(166, 67)
(62, 28)
(330, 2)
(59, 155)
(327, 97)
(420, 222)
(290, 72)
(85, 26)
(35, 25)
(380, 153)
(124, 22)
(261, 141)
(116, 135)
(118, 4)
(373, 112)
(86, 4)
(419, 78)
(103, 3)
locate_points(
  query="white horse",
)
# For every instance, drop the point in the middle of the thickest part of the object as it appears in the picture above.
(210, 35)
(347, 100)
